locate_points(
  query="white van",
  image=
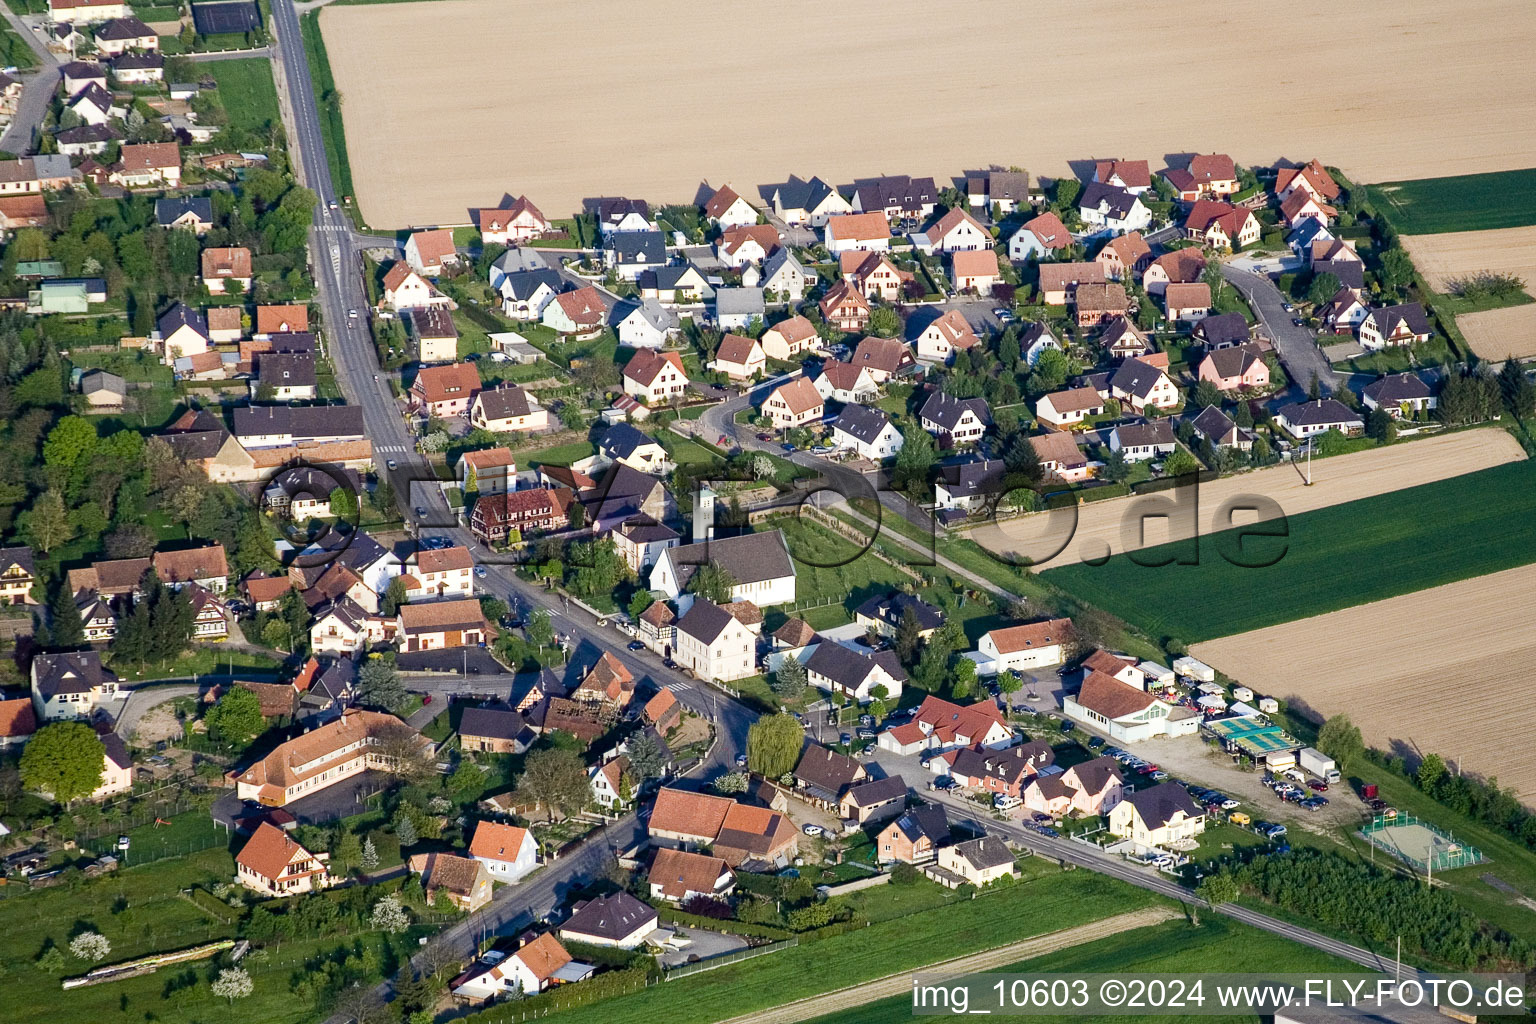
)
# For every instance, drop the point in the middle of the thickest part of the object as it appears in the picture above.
(1004, 802)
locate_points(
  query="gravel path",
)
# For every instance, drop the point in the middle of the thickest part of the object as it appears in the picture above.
(1002, 956)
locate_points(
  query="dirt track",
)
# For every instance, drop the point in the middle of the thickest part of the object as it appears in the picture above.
(992, 959)
(1441, 671)
(1335, 480)
(452, 103)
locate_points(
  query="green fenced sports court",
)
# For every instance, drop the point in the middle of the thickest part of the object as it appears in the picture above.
(1419, 843)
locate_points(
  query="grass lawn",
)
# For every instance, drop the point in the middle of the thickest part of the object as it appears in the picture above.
(683, 450)
(247, 91)
(1468, 202)
(14, 51)
(829, 565)
(559, 455)
(185, 834)
(140, 911)
(1332, 558)
(472, 337)
(1436, 351)
(328, 101)
(1056, 900)
(1169, 948)
(200, 661)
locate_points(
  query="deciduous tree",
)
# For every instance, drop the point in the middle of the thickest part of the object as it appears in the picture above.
(236, 719)
(1340, 739)
(556, 779)
(233, 983)
(773, 745)
(65, 760)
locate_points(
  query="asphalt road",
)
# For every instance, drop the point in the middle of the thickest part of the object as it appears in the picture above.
(334, 249)
(845, 482)
(340, 287)
(36, 92)
(1297, 346)
(1069, 852)
(339, 282)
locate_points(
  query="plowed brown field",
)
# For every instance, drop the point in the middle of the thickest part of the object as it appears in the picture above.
(1442, 671)
(450, 104)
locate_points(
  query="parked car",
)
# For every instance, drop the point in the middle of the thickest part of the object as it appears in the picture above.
(1318, 786)
(845, 739)
(635, 645)
(741, 760)
(811, 830)
(479, 572)
(1094, 743)
(1067, 726)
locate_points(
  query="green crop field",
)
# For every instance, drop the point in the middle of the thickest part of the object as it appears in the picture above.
(1216, 944)
(247, 91)
(1333, 558)
(1470, 202)
(1046, 903)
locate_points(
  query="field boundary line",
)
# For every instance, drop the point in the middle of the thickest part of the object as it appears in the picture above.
(997, 956)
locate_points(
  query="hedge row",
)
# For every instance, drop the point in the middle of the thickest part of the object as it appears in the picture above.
(756, 931)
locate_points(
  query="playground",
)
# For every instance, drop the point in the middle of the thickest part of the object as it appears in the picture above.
(1420, 844)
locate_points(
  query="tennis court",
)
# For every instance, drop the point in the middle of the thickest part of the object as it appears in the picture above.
(1420, 843)
(224, 17)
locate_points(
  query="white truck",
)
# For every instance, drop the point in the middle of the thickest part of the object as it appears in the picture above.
(1319, 764)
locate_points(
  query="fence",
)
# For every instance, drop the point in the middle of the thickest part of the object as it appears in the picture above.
(1424, 845)
(726, 959)
(859, 536)
(855, 885)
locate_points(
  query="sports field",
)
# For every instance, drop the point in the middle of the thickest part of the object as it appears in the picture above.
(444, 112)
(1409, 670)
(1100, 527)
(1469, 202)
(1333, 558)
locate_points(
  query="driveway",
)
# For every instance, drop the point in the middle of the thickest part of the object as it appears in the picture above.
(1297, 346)
(704, 945)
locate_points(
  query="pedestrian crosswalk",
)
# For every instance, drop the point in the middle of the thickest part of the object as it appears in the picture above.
(679, 686)
(386, 448)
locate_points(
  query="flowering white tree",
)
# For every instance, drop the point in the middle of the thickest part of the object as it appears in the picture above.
(91, 946)
(390, 916)
(233, 983)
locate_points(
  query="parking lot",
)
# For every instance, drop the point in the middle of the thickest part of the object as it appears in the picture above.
(1191, 760)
